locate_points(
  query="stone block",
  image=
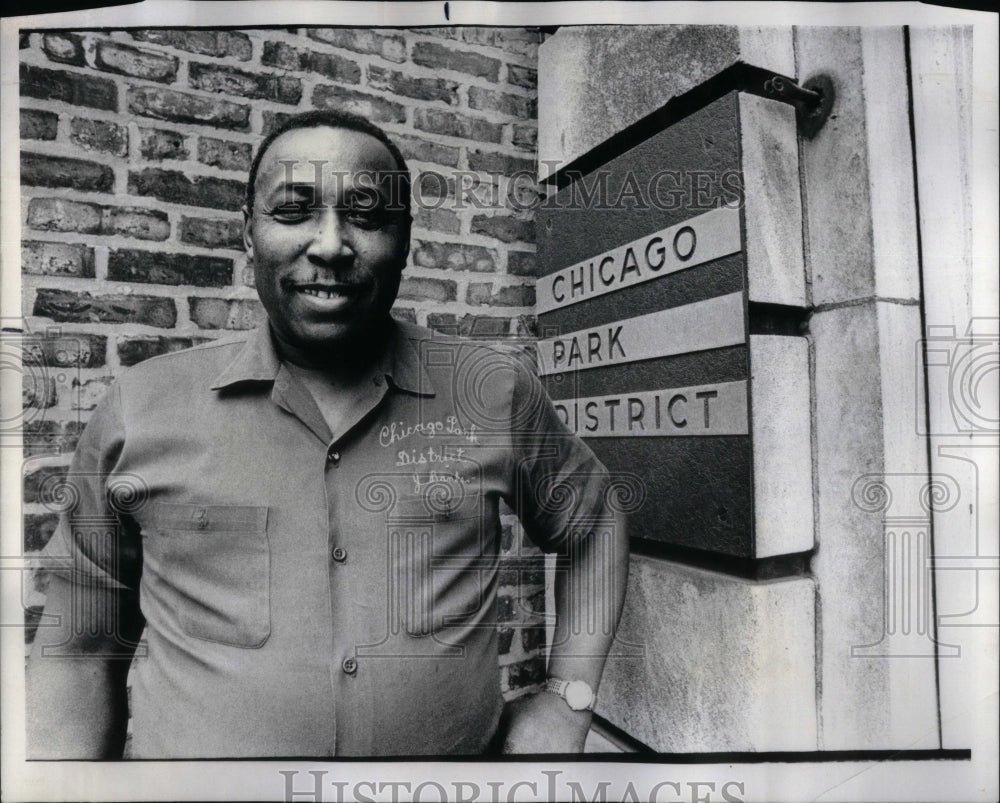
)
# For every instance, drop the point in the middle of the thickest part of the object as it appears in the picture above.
(769, 158)
(866, 395)
(595, 81)
(710, 662)
(782, 445)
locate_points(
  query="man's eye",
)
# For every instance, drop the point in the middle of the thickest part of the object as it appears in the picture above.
(290, 213)
(367, 218)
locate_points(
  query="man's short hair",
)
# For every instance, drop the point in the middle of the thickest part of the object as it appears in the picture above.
(331, 118)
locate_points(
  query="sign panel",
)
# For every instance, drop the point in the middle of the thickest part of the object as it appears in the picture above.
(701, 239)
(644, 334)
(719, 409)
(709, 324)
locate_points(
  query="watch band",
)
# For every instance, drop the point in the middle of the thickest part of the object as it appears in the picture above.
(577, 693)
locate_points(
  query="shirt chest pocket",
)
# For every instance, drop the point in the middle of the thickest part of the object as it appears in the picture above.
(213, 570)
(445, 557)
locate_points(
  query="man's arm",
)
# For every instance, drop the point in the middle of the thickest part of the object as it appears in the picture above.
(589, 593)
(76, 698)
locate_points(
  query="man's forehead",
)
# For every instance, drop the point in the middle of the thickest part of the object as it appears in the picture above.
(304, 155)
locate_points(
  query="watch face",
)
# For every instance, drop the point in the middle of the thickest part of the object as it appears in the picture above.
(578, 695)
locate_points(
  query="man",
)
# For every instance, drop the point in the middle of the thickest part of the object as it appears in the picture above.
(304, 521)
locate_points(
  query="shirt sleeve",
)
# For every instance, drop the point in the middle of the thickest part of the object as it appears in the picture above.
(96, 542)
(561, 488)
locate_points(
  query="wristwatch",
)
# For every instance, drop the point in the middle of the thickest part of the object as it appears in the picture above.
(577, 693)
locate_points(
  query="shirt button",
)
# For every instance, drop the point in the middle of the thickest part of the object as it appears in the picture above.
(350, 666)
(333, 457)
(339, 554)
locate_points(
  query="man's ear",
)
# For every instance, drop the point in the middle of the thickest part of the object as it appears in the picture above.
(247, 232)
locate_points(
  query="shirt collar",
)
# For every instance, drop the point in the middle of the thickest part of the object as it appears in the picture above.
(401, 362)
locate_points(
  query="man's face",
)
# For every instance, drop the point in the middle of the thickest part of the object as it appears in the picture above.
(327, 255)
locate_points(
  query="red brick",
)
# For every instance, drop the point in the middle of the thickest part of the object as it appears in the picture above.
(67, 306)
(423, 150)
(212, 232)
(56, 214)
(259, 86)
(38, 529)
(521, 263)
(66, 48)
(136, 349)
(532, 638)
(404, 314)
(443, 221)
(37, 124)
(41, 485)
(400, 83)
(522, 41)
(220, 313)
(522, 76)
(453, 256)
(280, 54)
(521, 572)
(484, 326)
(74, 88)
(526, 326)
(378, 110)
(430, 54)
(491, 162)
(430, 184)
(506, 537)
(480, 293)
(87, 394)
(59, 171)
(180, 107)
(420, 289)
(160, 144)
(536, 602)
(38, 391)
(526, 136)
(129, 265)
(390, 46)
(68, 350)
(438, 121)
(138, 222)
(442, 32)
(526, 673)
(506, 610)
(174, 186)
(501, 102)
(505, 229)
(50, 437)
(126, 60)
(272, 120)
(224, 154)
(57, 259)
(205, 43)
(99, 135)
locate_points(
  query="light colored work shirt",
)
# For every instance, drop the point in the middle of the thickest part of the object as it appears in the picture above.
(316, 593)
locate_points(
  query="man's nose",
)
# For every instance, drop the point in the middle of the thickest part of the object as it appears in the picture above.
(330, 239)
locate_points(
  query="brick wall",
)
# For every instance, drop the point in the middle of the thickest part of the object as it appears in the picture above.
(135, 146)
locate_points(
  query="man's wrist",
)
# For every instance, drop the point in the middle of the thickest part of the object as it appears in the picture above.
(577, 694)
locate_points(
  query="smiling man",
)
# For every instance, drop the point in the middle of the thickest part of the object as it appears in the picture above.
(302, 524)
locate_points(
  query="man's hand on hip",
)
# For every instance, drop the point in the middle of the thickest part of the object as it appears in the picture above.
(543, 723)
